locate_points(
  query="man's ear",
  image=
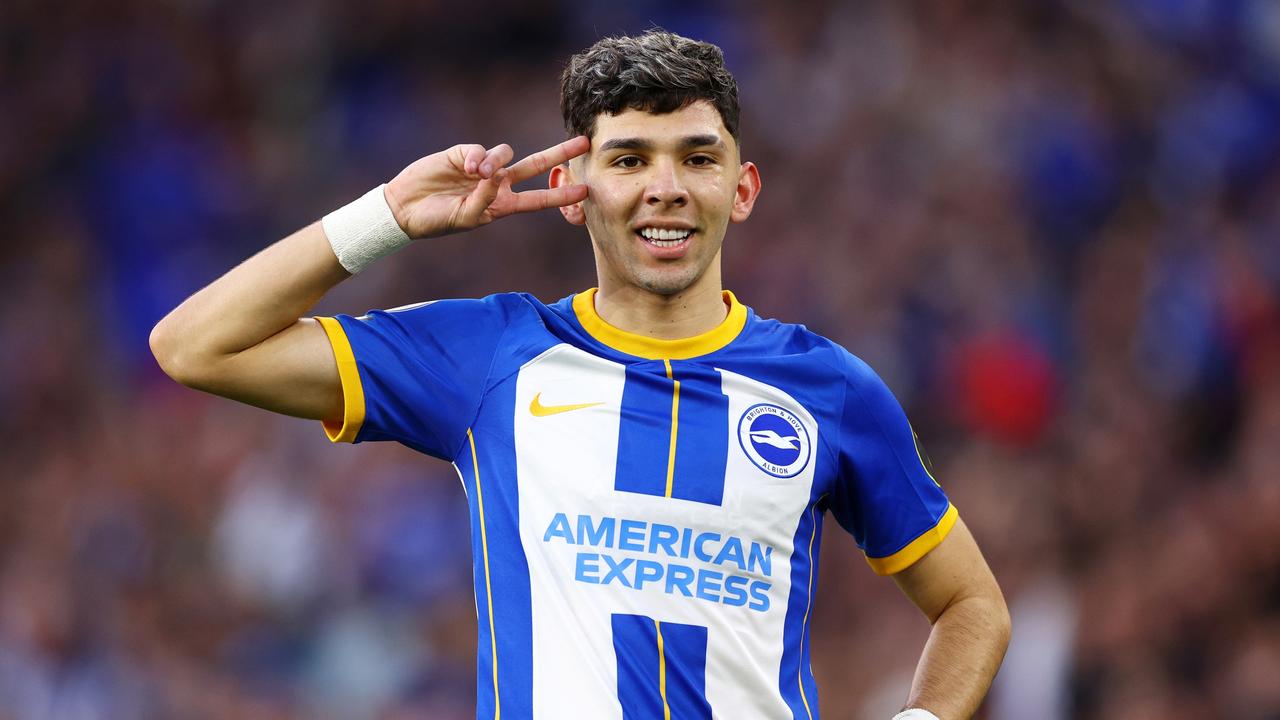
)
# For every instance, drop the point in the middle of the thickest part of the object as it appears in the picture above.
(562, 175)
(747, 192)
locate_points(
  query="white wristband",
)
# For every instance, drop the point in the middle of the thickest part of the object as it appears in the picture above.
(364, 230)
(915, 714)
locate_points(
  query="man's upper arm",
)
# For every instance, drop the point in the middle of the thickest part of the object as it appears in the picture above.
(884, 494)
(417, 374)
(953, 570)
(292, 372)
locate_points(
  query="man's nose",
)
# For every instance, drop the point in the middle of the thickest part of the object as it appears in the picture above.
(665, 186)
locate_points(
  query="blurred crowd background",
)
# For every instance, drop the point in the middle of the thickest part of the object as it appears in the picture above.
(1053, 228)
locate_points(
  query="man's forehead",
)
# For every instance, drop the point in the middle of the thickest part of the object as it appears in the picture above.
(699, 119)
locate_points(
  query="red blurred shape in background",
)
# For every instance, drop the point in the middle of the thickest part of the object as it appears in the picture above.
(1005, 387)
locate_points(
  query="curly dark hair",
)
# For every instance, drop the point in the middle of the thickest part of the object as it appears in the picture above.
(658, 72)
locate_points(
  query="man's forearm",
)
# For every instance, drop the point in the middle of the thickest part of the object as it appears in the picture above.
(961, 658)
(257, 299)
(243, 337)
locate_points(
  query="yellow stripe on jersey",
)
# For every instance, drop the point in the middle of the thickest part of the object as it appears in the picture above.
(804, 624)
(918, 548)
(662, 673)
(584, 307)
(352, 390)
(675, 425)
(488, 585)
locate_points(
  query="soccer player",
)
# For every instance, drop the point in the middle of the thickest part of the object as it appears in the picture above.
(648, 463)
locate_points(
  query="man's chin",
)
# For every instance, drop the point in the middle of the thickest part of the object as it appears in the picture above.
(666, 284)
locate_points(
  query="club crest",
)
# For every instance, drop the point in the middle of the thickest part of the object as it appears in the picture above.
(774, 440)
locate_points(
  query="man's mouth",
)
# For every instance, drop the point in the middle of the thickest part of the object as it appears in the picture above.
(665, 237)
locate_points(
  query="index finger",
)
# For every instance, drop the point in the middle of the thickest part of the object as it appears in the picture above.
(541, 162)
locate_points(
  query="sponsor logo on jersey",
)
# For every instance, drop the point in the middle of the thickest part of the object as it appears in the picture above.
(774, 439)
(639, 555)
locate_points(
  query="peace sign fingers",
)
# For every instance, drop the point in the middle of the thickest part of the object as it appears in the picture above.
(540, 162)
(508, 202)
(470, 185)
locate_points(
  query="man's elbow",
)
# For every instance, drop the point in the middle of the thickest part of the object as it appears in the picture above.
(999, 620)
(1004, 627)
(987, 614)
(174, 356)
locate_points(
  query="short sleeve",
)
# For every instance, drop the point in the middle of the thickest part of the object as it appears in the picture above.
(415, 374)
(884, 495)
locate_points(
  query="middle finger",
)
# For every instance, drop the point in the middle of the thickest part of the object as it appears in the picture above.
(497, 156)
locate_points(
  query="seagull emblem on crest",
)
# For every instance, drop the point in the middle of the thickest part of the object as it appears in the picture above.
(769, 437)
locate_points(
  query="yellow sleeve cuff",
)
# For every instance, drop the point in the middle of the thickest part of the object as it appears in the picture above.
(352, 391)
(918, 548)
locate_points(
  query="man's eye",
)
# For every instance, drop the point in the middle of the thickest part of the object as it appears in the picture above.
(701, 160)
(628, 161)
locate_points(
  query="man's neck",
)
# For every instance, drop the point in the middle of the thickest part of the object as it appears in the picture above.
(697, 310)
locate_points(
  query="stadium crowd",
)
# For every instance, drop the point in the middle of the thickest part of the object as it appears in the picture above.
(1053, 228)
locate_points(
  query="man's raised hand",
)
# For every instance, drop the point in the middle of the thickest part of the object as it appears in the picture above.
(468, 186)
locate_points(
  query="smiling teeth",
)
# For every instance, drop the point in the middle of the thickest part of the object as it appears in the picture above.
(663, 237)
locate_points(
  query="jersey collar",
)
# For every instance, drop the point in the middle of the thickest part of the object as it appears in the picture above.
(584, 307)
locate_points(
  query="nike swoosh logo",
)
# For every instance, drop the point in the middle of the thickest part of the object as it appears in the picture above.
(539, 410)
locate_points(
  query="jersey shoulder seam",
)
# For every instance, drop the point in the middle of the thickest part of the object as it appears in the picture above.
(885, 437)
(487, 385)
(830, 355)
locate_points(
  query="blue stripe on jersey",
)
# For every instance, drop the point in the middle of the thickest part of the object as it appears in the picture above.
(703, 445)
(660, 683)
(644, 430)
(507, 567)
(686, 408)
(478, 488)
(635, 644)
(685, 647)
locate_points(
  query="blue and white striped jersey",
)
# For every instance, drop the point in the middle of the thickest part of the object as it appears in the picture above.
(646, 514)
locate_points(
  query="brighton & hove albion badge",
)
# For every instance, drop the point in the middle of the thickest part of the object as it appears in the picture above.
(774, 439)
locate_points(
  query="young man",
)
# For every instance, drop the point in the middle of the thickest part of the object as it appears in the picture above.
(647, 463)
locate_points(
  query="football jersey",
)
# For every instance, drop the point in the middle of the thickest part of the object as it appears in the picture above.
(646, 514)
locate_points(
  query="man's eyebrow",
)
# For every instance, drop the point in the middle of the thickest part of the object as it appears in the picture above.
(686, 143)
(626, 144)
(696, 141)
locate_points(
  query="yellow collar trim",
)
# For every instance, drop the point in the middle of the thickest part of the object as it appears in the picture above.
(584, 306)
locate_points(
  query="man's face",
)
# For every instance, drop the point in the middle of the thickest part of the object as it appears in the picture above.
(663, 189)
